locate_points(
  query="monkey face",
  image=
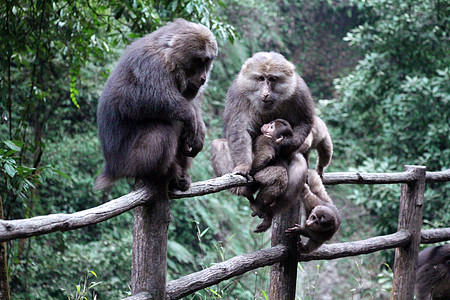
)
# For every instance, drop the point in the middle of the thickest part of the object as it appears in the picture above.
(268, 129)
(268, 79)
(197, 73)
(321, 218)
(277, 130)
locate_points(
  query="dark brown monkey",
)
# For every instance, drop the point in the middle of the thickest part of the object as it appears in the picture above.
(433, 273)
(266, 88)
(274, 146)
(323, 218)
(149, 113)
(319, 139)
(273, 153)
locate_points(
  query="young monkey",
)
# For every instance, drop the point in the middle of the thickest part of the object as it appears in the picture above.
(272, 154)
(323, 218)
(319, 138)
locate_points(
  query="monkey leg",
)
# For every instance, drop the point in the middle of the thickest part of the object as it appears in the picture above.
(273, 182)
(221, 157)
(267, 221)
(153, 151)
(222, 164)
(324, 153)
(181, 179)
(297, 174)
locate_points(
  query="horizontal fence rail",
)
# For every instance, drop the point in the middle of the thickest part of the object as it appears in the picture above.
(23, 228)
(241, 264)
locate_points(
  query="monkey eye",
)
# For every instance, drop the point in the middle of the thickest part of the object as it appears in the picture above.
(261, 78)
(272, 79)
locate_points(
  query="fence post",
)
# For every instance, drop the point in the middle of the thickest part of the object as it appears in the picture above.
(150, 234)
(410, 218)
(283, 275)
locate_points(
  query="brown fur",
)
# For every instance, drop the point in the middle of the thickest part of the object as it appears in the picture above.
(273, 153)
(433, 273)
(266, 88)
(149, 113)
(323, 218)
(319, 139)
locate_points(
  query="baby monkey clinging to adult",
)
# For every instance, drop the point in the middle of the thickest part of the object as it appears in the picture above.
(323, 218)
(273, 153)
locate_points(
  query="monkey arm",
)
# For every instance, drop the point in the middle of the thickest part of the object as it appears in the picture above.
(297, 229)
(240, 143)
(301, 132)
(145, 90)
(200, 132)
(265, 153)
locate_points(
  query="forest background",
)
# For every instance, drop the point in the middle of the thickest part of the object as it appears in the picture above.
(379, 74)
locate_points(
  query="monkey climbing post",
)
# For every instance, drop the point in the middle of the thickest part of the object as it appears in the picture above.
(410, 218)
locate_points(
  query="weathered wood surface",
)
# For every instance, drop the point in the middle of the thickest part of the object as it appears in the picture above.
(150, 235)
(430, 236)
(410, 218)
(233, 267)
(14, 229)
(244, 263)
(338, 250)
(241, 264)
(23, 228)
(283, 274)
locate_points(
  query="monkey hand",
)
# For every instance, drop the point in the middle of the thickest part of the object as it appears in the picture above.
(293, 231)
(243, 170)
(193, 143)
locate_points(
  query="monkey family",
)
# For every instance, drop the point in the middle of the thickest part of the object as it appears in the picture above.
(150, 126)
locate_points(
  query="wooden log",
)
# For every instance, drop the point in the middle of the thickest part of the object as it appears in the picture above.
(235, 266)
(5, 293)
(429, 236)
(283, 274)
(247, 262)
(439, 176)
(150, 235)
(23, 228)
(410, 218)
(14, 229)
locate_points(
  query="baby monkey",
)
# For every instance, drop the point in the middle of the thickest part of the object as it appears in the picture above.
(272, 154)
(323, 218)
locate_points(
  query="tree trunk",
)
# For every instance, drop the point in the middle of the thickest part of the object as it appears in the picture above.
(4, 281)
(410, 218)
(150, 234)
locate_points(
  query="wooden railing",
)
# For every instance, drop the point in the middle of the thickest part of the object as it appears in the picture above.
(152, 218)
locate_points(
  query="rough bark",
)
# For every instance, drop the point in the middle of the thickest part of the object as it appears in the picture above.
(15, 229)
(150, 235)
(4, 280)
(410, 218)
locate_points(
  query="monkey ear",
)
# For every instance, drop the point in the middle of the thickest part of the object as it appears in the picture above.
(278, 140)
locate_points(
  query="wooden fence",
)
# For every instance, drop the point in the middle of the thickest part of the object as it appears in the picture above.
(152, 217)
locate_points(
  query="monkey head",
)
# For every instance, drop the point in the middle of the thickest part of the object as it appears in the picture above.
(277, 130)
(189, 53)
(322, 218)
(267, 79)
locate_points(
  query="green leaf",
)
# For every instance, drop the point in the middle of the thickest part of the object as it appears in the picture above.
(10, 170)
(12, 145)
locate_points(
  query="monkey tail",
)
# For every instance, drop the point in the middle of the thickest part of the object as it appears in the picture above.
(103, 182)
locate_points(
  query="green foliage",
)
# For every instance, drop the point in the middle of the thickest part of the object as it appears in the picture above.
(393, 109)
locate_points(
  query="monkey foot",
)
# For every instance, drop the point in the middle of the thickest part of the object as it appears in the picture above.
(260, 214)
(263, 226)
(182, 184)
